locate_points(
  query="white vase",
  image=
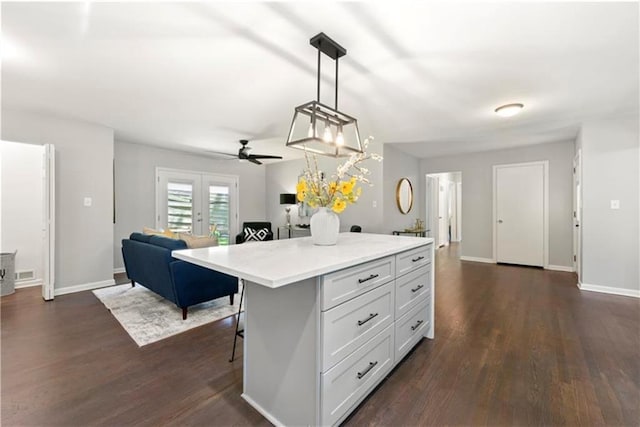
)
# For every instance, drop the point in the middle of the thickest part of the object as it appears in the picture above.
(325, 226)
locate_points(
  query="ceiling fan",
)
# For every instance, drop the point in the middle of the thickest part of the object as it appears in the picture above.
(243, 154)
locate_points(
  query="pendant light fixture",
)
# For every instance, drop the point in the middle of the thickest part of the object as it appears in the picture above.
(318, 128)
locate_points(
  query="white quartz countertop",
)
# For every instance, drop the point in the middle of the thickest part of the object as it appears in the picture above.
(278, 263)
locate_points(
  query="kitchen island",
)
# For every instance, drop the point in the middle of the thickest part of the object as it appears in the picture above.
(325, 324)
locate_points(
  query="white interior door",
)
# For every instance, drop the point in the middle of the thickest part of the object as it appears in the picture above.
(49, 221)
(577, 214)
(520, 214)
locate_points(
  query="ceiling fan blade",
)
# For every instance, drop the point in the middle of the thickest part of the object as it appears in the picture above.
(222, 154)
(253, 160)
(263, 156)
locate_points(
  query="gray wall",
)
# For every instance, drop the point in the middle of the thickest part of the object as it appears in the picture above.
(135, 171)
(282, 177)
(610, 163)
(84, 163)
(397, 165)
(477, 199)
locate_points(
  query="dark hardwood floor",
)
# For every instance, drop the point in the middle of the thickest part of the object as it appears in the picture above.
(514, 346)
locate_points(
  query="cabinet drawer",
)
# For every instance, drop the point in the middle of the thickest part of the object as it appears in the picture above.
(413, 259)
(412, 288)
(349, 325)
(346, 284)
(411, 328)
(348, 382)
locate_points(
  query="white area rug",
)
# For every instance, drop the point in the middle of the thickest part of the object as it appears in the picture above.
(147, 317)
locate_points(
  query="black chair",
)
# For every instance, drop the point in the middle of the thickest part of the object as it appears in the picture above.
(255, 225)
(356, 229)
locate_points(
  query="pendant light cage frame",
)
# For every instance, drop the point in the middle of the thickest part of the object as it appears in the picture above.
(307, 118)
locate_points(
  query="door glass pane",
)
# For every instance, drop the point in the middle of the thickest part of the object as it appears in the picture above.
(180, 207)
(219, 212)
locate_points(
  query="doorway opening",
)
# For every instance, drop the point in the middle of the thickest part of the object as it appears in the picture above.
(27, 210)
(444, 207)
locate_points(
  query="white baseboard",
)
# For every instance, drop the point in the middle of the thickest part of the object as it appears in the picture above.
(609, 290)
(477, 259)
(83, 287)
(119, 270)
(560, 268)
(273, 420)
(28, 283)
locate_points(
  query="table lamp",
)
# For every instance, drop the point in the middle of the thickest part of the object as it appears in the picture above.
(288, 199)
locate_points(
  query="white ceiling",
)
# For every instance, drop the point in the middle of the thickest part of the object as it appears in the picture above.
(200, 76)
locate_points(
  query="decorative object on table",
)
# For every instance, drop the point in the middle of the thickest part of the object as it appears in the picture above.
(147, 317)
(355, 229)
(288, 199)
(404, 195)
(254, 225)
(335, 192)
(325, 226)
(314, 124)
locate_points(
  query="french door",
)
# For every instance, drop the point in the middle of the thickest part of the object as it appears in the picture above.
(197, 203)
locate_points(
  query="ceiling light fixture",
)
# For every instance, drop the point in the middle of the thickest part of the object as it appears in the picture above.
(304, 134)
(509, 110)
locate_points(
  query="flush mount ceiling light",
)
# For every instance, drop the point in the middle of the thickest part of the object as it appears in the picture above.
(318, 128)
(509, 110)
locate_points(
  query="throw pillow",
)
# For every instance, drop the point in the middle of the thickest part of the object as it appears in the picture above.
(151, 231)
(165, 233)
(195, 242)
(255, 235)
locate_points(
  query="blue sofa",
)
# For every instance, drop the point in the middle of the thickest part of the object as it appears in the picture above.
(148, 261)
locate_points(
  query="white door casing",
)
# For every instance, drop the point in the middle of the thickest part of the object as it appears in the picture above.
(432, 206)
(49, 221)
(459, 211)
(520, 222)
(443, 212)
(577, 214)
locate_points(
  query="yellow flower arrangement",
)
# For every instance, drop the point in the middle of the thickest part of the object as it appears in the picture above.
(340, 191)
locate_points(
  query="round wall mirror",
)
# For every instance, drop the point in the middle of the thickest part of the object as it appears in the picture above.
(404, 195)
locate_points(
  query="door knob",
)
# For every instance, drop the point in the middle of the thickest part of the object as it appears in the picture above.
(499, 221)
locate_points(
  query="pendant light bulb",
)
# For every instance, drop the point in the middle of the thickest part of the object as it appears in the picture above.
(327, 136)
(339, 137)
(311, 131)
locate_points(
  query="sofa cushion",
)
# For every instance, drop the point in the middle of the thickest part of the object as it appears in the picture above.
(165, 242)
(139, 237)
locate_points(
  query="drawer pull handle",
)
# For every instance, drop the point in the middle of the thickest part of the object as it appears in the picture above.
(371, 316)
(416, 289)
(417, 325)
(373, 276)
(367, 369)
(417, 259)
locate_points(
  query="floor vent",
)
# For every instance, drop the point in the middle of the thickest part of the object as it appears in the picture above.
(23, 275)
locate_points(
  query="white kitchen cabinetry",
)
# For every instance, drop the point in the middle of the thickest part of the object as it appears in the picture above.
(324, 325)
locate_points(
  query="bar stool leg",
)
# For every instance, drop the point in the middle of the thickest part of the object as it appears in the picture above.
(238, 333)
